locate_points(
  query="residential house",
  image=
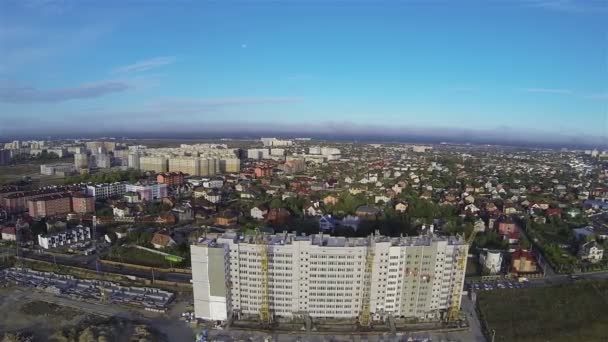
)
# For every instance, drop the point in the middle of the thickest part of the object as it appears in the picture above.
(227, 218)
(330, 199)
(162, 239)
(312, 210)
(367, 212)
(401, 207)
(278, 216)
(522, 261)
(591, 251)
(9, 234)
(327, 223)
(259, 212)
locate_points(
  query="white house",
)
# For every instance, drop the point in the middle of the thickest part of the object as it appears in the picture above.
(259, 212)
(591, 251)
(9, 234)
(313, 210)
(121, 211)
(401, 207)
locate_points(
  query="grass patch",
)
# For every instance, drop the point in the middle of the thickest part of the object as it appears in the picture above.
(38, 308)
(572, 312)
(136, 256)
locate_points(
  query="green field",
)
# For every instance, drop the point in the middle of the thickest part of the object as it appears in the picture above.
(12, 173)
(573, 312)
(136, 256)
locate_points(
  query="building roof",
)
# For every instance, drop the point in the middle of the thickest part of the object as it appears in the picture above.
(162, 239)
(9, 230)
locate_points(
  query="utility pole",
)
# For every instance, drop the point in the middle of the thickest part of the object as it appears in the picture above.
(153, 280)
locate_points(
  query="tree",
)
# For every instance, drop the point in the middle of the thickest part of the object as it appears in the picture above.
(276, 203)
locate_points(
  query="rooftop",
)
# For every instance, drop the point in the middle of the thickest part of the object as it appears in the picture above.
(333, 241)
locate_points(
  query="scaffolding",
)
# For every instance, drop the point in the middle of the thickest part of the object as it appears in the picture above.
(265, 317)
(461, 263)
(365, 316)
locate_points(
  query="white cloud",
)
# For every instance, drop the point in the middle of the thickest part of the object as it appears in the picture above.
(13, 93)
(598, 96)
(547, 90)
(145, 65)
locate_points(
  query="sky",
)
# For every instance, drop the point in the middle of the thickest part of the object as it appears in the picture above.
(519, 70)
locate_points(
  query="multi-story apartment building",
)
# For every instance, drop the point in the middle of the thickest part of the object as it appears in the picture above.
(209, 166)
(5, 156)
(17, 202)
(50, 205)
(230, 165)
(170, 178)
(81, 161)
(188, 165)
(61, 169)
(106, 190)
(153, 163)
(83, 204)
(133, 161)
(326, 277)
(148, 191)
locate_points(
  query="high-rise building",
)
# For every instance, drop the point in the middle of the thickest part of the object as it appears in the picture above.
(153, 163)
(103, 161)
(81, 161)
(5, 156)
(83, 204)
(187, 165)
(230, 165)
(50, 205)
(133, 161)
(326, 277)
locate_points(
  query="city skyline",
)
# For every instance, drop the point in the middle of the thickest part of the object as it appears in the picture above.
(517, 71)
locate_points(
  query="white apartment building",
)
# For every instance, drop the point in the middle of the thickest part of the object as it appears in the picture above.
(106, 190)
(324, 276)
(55, 169)
(148, 191)
(66, 237)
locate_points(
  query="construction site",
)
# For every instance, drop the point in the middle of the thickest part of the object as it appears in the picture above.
(331, 285)
(147, 298)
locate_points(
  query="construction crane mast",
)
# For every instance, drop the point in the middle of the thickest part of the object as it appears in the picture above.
(265, 317)
(461, 264)
(365, 316)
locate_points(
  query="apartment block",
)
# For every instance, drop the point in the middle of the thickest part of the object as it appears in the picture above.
(170, 178)
(230, 165)
(106, 190)
(50, 205)
(83, 204)
(17, 202)
(152, 163)
(322, 276)
(148, 191)
(187, 165)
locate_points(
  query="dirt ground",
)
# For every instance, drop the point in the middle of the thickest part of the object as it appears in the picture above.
(17, 313)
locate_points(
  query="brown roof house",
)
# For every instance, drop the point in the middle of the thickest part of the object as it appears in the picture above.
(278, 216)
(162, 239)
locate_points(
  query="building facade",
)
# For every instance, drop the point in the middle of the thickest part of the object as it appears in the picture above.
(152, 163)
(325, 277)
(50, 205)
(170, 178)
(107, 190)
(148, 191)
(83, 204)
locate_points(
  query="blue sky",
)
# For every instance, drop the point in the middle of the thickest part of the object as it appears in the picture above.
(531, 69)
